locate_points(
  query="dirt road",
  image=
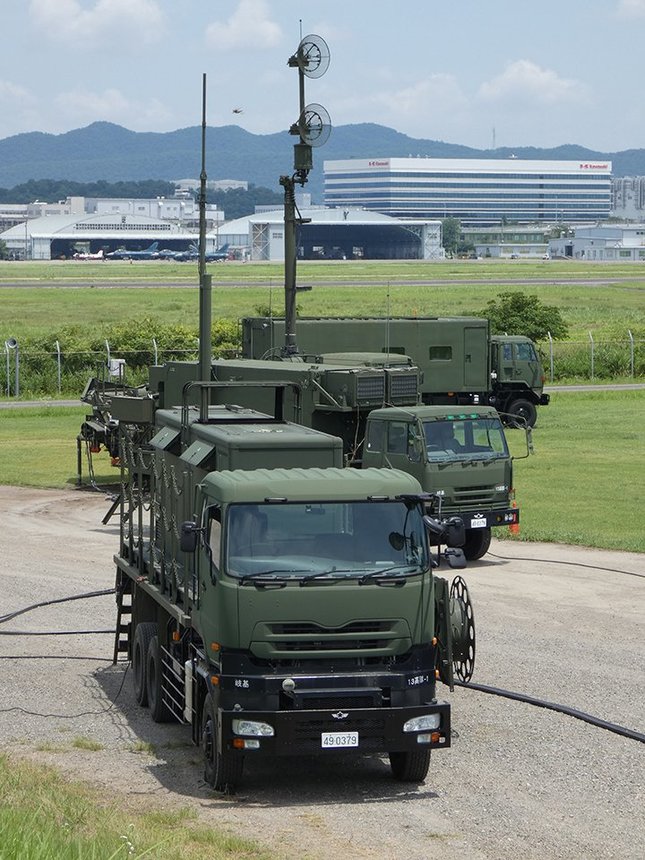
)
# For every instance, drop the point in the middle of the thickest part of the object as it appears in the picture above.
(562, 623)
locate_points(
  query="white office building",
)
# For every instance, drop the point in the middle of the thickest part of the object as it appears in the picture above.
(476, 191)
(603, 242)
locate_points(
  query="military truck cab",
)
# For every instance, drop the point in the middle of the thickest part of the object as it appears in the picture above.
(461, 455)
(518, 379)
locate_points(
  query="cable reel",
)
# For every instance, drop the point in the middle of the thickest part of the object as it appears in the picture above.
(462, 630)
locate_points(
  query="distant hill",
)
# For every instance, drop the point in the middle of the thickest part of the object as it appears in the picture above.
(106, 151)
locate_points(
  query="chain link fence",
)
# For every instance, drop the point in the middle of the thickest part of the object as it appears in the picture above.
(50, 374)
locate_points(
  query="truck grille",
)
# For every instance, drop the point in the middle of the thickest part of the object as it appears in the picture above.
(475, 497)
(276, 640)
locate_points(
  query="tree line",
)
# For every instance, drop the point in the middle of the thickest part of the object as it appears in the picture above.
(235, 202)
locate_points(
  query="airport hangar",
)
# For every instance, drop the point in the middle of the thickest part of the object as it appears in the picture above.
(324, 234)
(54, 237)
(347, 233)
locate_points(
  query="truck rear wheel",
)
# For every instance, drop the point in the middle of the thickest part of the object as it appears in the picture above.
(410, 766)
(477, 543)
(142, 637)
(159, 711)
(222, 769)
(524, 410)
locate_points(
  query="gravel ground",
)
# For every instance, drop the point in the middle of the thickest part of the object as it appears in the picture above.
(561, 623)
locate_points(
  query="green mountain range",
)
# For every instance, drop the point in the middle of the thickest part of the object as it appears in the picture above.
(106, 151)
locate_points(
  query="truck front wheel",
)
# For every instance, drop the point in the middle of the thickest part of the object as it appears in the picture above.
(222, 769)
(410, 766)
(142, 637)
(477, 543)
(521, 411)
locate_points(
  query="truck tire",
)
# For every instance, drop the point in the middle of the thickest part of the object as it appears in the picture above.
(159, 711)
(523, 409)
(410, 766)
(222, 770)
(477, 543)
(142, 637)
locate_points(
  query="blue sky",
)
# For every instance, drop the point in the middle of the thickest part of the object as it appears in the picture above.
(475, 72)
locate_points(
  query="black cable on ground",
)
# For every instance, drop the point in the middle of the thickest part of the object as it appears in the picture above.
(54, 632)
(71, 716)
(572, 563)
(552, 706)
(10, 615)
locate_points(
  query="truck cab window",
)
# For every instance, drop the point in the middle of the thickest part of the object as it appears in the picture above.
(526, 352)
(397, 437)
(214, 534)
(374, 441)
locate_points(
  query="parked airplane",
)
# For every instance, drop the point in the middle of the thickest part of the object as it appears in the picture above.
(192, 253)
(80, 255)
(150, 253)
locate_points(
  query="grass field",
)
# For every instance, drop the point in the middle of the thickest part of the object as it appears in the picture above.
(39, 298)
(584, 484)
(44, 817)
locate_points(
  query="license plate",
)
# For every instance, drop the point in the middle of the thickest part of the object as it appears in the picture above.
(338, 740)
(478, 524)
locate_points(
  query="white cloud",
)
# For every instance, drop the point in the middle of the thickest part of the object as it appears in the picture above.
(115, 21)
(436, 92)
(81, 107)
(631, 8)
(418, 109)
(13, 94)
(250, 26)
(523, 80)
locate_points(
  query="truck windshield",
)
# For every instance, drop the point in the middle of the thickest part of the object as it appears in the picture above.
(344, 539)
(465, 439)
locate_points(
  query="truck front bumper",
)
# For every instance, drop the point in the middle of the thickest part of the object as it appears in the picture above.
(486, 519)
(368, 730)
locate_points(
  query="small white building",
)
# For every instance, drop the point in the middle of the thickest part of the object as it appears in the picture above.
(602, 242)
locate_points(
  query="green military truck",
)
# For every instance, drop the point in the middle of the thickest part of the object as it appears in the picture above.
(278, 604)
(459, 455)
(461, 363)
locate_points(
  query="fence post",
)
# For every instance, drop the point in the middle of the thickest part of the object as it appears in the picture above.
(550, 355)
(592, 354)
(107, 349)
(154, 346)
(58, 364)
(631, 353)
(12, 343)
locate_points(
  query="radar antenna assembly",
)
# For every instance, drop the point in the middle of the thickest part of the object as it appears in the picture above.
(312, 128)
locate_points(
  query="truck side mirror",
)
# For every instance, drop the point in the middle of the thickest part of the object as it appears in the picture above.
(188, 536)
(434, 526)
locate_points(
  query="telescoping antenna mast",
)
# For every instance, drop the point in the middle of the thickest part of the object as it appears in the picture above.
(205, 280)
(313, 129)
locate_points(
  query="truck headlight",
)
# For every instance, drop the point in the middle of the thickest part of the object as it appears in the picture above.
(501, 488)
(424, 723)
(253, 728)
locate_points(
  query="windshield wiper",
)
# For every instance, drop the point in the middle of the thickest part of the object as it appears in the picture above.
(403, 571)
(267, 577)
(321, 574)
